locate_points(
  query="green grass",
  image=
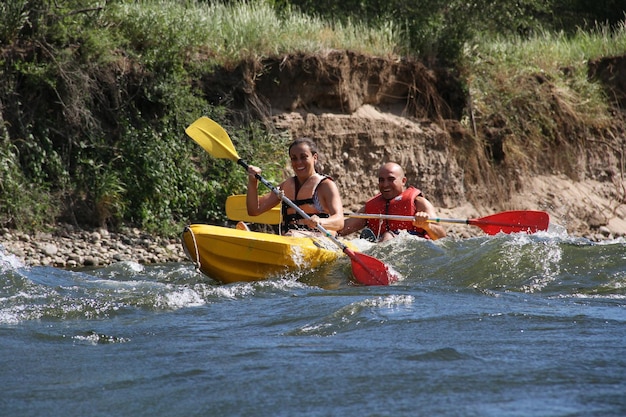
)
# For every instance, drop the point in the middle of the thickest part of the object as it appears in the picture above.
(497, 65)
(227, 34)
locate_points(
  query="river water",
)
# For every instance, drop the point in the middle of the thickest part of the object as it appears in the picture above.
(506, 325)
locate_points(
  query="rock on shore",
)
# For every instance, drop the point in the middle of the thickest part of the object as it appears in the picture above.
(69, 247)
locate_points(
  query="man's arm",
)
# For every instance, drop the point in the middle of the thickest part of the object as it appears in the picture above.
(352, 225)
(425, 209)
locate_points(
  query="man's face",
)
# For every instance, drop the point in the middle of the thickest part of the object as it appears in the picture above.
(390, 182)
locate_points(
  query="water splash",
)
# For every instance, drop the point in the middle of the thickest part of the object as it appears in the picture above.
(93, 338)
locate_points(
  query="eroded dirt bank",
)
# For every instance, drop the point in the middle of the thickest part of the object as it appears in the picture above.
(363, 111)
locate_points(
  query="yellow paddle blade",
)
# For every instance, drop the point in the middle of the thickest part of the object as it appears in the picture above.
(213, 138)
(237, 210)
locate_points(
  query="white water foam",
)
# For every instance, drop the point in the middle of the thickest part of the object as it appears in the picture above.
(9, 261)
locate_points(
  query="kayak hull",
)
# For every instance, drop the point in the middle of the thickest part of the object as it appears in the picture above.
(232, 255)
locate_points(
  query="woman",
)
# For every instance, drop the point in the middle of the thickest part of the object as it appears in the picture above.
(317, 195)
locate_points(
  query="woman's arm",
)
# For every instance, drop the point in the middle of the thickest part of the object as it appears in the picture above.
(257, 205)
(331, 202)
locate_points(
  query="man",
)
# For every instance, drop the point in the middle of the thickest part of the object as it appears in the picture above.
(395, 199)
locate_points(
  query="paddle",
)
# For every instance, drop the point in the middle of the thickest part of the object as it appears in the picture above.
(527, 221)
(213, 138)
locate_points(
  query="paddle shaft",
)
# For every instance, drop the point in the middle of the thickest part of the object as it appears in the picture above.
(293, 205)
(472, 222)
(404, 218)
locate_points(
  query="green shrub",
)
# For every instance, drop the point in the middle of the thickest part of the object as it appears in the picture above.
(13, 18)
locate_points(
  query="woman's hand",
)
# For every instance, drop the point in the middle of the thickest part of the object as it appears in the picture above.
(311, 223)
(253, 172)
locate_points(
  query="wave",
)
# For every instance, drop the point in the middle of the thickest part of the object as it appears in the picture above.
(547, 264)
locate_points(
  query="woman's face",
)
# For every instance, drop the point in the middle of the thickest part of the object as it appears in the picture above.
(302, 160)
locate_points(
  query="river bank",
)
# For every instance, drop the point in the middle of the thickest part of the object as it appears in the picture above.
(70, 247)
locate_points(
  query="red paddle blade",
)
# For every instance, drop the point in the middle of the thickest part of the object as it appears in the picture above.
(368, 270)
(527, 221)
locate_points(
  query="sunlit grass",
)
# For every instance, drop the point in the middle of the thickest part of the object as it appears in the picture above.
(253, 30)
(548, 51)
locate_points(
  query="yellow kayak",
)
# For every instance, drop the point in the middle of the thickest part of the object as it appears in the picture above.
(232, 255)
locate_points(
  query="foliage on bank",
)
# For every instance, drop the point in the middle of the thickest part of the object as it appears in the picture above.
(94, 104)
(94, 96)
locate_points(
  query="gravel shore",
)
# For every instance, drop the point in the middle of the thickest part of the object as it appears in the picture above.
(70, 247)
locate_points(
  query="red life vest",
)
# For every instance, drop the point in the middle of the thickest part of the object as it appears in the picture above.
(402, 205)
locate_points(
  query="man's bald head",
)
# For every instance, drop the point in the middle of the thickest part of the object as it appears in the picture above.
(391, 167)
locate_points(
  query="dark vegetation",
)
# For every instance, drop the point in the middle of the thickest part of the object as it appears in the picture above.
(93, 104)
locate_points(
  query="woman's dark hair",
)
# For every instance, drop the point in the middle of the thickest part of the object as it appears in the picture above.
(306, 141)
(312, 147)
